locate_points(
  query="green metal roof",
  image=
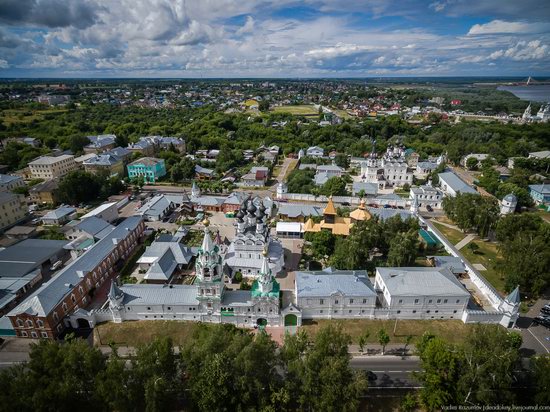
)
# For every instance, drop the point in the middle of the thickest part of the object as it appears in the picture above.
(273, 294)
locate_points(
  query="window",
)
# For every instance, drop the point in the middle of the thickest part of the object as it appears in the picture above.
(80, 290)
(23, 333)
(400, 300)
(84, 300)
(414, 311)
(349, 311)
(128, 308)
(44, 334)
(64, 306)
(20, 323)
(169, 308)
(336, 301)
(444, 300)
(40, 323)
(458, 301)
(430, 301)
(454, 311)
(321, 301)
(416, 301)
(436, 311)
(427, 311)
(321, 311)
(30, 323)
(364, 300)
(438, 300)
(336, 311)
(55, 317)
(148, 307)
(59, 327)
(351, 301)
(398, 311)
(34, 335)
(73, 299)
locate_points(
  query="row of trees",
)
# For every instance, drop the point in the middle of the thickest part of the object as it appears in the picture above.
(480, 371)
(220, 368)
(472, 212)
(80, 186)
(370, 243)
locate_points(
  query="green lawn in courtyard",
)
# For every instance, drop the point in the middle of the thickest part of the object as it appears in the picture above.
(489, 256)
(454, 331)
(453, 235)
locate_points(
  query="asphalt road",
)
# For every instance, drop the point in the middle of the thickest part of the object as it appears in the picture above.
(391, 371)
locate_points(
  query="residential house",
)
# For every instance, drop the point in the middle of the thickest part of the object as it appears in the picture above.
(59, 216)
(12, 209)
(364, 188)
(426, 196)
(202, 173)
(540, 193)
(257, 177)
(106, 211)
(156, 208)
(315, 151)
(105, 163)
(89, 228)
(45, 192)
(50, 167)
(100, 143)
(9, 182)
(164, 258)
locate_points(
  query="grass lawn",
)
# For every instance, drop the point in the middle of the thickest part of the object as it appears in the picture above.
(454, 331)
(142, 331)
(298, 110)
(291, 167)
(342, 113)
(453, 235)
(488, 255)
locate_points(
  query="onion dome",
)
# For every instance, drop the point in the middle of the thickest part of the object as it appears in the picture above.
(251, 208)
(240, 214)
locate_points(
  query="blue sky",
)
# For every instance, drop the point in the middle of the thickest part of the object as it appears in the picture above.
(283, 38)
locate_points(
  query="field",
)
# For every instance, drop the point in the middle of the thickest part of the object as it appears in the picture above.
(453, 235)
(298, 110)
(141, 332)
(454, 331)
(11, 116)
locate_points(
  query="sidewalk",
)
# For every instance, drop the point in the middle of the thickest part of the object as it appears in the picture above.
(465, 241)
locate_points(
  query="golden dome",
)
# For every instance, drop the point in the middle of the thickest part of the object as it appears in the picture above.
(206, 222)
(264, 252)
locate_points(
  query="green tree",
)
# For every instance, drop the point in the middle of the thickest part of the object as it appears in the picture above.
(383, 339)
(78, 187)
(403, 249)
(334, 186)
(540, 371)
(323, 243)
(342, 161)
(471, 163)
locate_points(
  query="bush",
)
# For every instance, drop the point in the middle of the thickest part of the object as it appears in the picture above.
(238, 277)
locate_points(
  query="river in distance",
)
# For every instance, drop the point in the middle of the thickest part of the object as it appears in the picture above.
(532, 93)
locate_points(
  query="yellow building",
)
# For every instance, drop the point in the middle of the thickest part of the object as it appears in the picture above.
(50, 167)
(12, 209)
(335, 224)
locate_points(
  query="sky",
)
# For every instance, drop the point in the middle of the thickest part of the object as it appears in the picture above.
(280, 38)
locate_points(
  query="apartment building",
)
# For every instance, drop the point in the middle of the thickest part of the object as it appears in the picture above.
(12, 209)
(50, 167)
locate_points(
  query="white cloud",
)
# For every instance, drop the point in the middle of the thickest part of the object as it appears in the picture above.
(516, 27)
(4, 64)
(248, 27)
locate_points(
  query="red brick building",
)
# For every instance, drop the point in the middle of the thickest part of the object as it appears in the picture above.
(41, 315)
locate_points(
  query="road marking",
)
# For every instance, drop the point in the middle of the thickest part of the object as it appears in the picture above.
(538, 340)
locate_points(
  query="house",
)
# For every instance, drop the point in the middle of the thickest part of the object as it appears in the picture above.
(21, 232)
(412, 159)
(44, 312)
(22, 267)
(13, 208)
(156, 208)
(544, 154)
(295, 212)
(480, 157)
(423, 169)
(81, 159)
(331, 222)
(257, 177)
(456, 102)
(421, 293)
(163, 258)
(59, 216)
(167, 143)
(451, 184)
(100, 143)
(150, 168)
(9, 182)
(426, 196)
(202, 173)
(108, 163)
(453, 263)
(143, 146)
(50, 167)
(335, 294)
(315, 151)
(106, 211)
(45, 192)
(540, 193)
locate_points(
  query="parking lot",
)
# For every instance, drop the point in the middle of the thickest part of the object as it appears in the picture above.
(536, 338)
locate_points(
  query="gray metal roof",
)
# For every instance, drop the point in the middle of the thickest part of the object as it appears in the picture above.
(453, 263)
(328, 282)
(293, 210)
(543, 189)
(456, 183)
(93, 225)
(237, 298)
(5, 179)
(369, 188)
(21, 258)
(421, 281)
(58, 213)
(45, 298)
(160, 294)
(386, 213)
(155, 206)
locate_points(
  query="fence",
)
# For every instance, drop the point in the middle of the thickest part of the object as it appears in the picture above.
(480, 316)
(347, 199)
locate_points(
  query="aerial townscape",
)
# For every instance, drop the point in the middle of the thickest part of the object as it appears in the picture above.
(274, 207)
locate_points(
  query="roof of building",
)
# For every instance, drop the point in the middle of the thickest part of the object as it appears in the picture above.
(293, 210)
(47, 186)
(5, 179)
(421, 281)
(154, 206)
(19, 259)
(48, 160)
(426, 165)
(361, 213)
(93, 225)
(544, 154)
(514, 296)
(321, 178)
(144, 294)
(6, 197)
(304, 166)
(59, 213)
(146, 161)
(510, 197)
(237, 298)
(543, 189)
(292, 227)
(453, 263)
(45, 298)
(329, 282)
(420, 190)
(329, 209)
(369, 188)
(84, 157)
(101, 208)
(329, 168)
(456, 183)
(102, 160)
(203, 170)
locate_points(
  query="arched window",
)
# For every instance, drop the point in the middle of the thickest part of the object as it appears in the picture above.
(20, 323)
(30, 323)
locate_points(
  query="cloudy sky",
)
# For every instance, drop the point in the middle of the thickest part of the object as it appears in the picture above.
(280, 38)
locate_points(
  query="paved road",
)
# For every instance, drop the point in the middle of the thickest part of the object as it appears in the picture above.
(391, 371)
(536, 338)
(464, 241)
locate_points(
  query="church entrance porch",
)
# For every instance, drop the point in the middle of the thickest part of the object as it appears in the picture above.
(291, 320)
(261, 322)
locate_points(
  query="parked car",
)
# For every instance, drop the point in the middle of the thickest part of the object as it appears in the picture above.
(542, 320)
(546, 311)
(371, 376)
(387, 206)
(346, 204)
